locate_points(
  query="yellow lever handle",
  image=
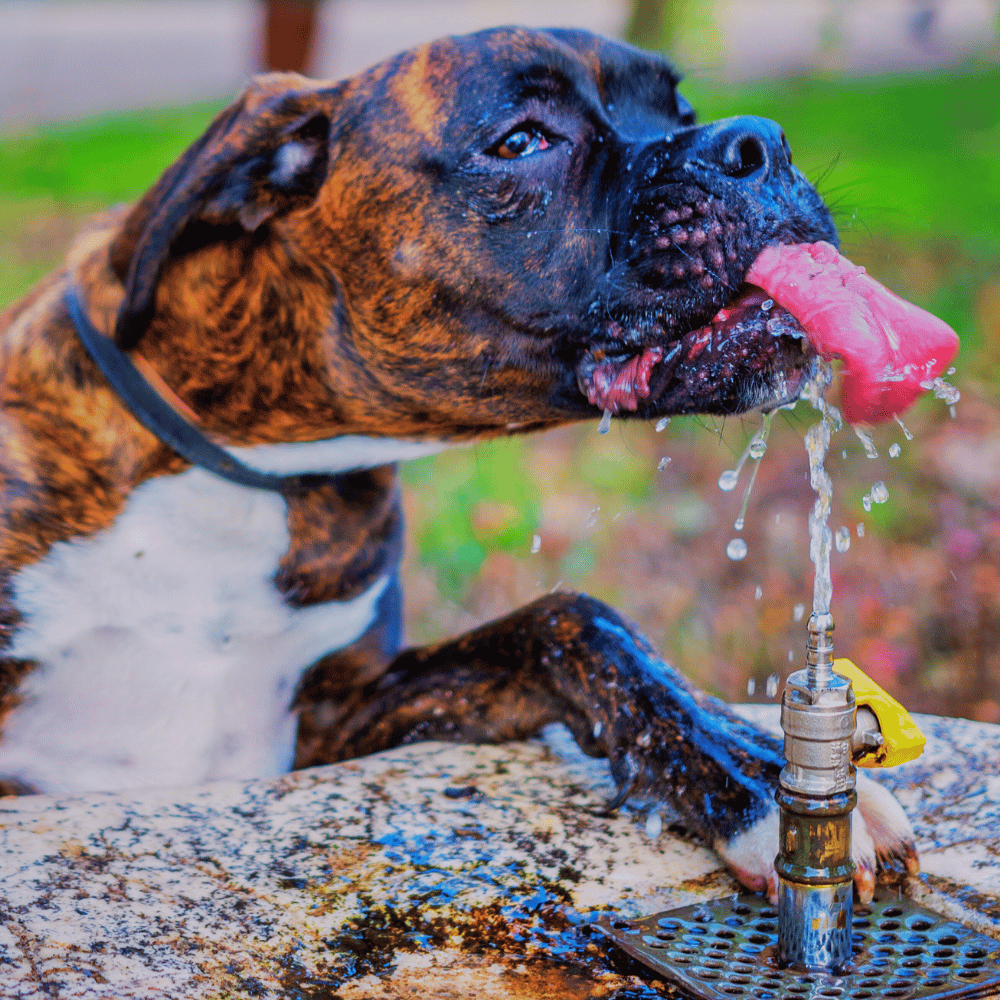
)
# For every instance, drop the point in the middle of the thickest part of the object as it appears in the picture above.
(903, 741)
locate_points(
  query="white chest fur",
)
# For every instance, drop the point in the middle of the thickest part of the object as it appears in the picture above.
(166, 655)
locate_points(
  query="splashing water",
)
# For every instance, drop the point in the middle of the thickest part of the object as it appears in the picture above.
(903, 427)
(736, 549)
(894, 450)
(771, 688)
(842, 539)
(817, 445)
(661, 424)
(663, 463)
(605, 425)
(866, 440)
(798, 611)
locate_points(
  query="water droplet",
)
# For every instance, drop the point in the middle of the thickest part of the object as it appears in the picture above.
(879, 492)
(791, 656)
(798, 611)
(738, 523)
(759, 592)
(663, 463)
(861, 531)
(654, 824)
(598, 728)
(772, 684)
(728, 480)
(866, 502)
(736, 549)
(767, 305)
(951, 371)
(536, 545)
(842, 539)
(751, 686)
(951, 410)
(758, 448)
(592, 517)
(843, 454)
(870, 450)
(894, 450)
(903, 427)
(661, 424)
(605, 425)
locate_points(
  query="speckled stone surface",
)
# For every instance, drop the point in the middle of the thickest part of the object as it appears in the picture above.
(432, 871)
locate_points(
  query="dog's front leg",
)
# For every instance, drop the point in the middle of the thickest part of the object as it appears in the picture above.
(572, 659)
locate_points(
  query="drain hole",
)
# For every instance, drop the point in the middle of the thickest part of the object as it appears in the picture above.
(894, 993)
(706, 973)
(728, 935)
(666, 935)
(715, 953)
(741, 908)
(947, 939)
(920, 924)
(973, 963)
(832, 991)
(975, 953)
(679, 959)
(861, 994)
(943, 963)
(887, 937)
(913, 951)
(863, 911)
(861, 922)
(668, 925)
(943, 952)
(697, 930)
(621, 925)
(870, 982)
(765, 926)
(734, 990)
(970, 973)
(734, 921)
(889, 925)
(892, 911)
(768, 913)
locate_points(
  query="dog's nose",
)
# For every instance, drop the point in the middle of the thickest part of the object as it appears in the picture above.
(744, 148)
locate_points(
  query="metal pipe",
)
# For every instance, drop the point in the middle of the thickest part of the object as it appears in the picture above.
(815, 797)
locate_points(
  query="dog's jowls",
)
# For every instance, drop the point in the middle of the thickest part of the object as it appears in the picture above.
(485, 235)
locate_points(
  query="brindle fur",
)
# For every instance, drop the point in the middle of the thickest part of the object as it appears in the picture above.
(356, 259)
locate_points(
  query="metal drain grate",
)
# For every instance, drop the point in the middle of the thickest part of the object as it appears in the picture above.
(726, 949)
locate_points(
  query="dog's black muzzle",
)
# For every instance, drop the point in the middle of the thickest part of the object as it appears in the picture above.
(698, 205)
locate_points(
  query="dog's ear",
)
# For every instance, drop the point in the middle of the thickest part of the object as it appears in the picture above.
(262, 157)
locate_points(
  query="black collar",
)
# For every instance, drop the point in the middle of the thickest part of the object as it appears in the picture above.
(158, 416)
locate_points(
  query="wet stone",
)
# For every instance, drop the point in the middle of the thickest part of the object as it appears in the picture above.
(370, 879)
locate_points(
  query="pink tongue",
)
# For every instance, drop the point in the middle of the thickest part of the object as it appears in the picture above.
(888, 346)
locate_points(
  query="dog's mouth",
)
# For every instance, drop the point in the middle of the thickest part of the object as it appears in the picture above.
(752, 354)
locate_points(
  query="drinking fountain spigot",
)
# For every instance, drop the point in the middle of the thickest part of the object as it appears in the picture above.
(815, 798)
(809, 947)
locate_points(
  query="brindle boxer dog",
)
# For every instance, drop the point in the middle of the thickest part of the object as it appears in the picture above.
(484, 236)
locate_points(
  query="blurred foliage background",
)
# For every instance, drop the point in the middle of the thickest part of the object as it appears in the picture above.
(910, 163)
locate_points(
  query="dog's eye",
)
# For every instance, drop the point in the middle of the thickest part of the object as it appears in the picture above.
(523, 142)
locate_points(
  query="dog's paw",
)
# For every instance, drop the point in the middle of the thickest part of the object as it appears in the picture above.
(880, 833)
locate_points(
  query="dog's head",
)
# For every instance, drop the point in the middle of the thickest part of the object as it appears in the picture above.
(489, 233)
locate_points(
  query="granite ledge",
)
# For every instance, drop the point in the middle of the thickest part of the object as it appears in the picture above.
(429, 871)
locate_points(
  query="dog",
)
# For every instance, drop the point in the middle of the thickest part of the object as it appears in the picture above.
(487, 235)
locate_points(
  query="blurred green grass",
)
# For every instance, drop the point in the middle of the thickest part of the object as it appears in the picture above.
(910, 164)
